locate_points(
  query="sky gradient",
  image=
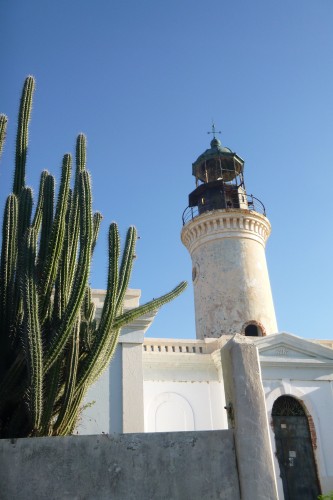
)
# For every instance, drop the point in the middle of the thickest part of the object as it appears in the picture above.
(143, 80)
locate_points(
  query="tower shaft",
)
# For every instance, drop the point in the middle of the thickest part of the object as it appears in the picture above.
(232, 291)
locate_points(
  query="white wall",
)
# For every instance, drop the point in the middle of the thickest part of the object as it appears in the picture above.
(183, 390)
(184, 406)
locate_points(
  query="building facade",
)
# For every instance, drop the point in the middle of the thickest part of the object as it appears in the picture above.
(157, 385)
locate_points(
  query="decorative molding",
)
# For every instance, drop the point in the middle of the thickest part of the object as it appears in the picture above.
(180, 360)
(178, 346)
(281, 351)
(307, 348)
(232, 223)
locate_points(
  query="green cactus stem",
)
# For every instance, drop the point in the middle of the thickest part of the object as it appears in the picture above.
(81, 275)
(31, 331)
(22, 134)
(3, 128)
(51, 345)
(50, 270)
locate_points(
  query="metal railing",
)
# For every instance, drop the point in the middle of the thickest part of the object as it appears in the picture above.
(253, 204)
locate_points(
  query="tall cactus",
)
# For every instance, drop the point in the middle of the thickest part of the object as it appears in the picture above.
(3, 128)
(51, 346)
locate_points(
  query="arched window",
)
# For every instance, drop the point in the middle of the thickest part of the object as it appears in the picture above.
(253, 330)
(287, 406)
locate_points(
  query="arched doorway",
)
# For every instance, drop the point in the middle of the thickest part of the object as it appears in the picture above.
(294, 450)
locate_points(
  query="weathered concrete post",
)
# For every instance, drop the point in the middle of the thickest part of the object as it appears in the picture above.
(246, 410)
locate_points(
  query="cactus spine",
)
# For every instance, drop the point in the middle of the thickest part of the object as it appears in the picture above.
(51, 347)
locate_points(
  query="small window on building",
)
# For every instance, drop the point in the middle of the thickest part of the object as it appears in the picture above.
(253, 330)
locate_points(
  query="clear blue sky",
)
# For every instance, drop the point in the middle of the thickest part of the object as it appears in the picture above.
(143, 79)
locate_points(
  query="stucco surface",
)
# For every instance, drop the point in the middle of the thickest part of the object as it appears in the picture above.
(178, 465)
(247, 416)
(231, 281)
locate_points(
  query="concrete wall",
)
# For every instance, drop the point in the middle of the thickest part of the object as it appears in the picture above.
(191, 465)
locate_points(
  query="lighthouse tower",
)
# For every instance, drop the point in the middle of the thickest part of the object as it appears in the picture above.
(225, 230)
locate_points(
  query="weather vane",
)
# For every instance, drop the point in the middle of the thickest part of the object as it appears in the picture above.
(214, 131)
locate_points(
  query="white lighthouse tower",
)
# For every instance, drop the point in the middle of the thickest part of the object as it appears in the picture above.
(225, 230)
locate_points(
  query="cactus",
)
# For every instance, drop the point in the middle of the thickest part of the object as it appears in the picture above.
(3, 128)
(51, 346)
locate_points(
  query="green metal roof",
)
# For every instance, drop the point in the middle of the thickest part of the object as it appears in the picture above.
(216, 150)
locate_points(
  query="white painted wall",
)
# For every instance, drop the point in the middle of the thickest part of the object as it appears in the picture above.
(176, 385)
(184, 406)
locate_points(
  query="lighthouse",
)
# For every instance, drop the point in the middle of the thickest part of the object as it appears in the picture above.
(225, 231)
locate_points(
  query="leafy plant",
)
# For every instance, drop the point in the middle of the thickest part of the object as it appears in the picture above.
(51, 346)
(328, 496)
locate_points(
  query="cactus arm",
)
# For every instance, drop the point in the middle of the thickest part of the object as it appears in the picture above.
(125, 319)
(47, 220)
(52, 382)
(61, 289)
(58, 308)
(106, 356)
(49, 272)
(98, 360)
(97, 219)
(64, 268)
(153, 305)
(70, 379)
(126, 265)
(3, 128)
(74, 228)
(108, 311)
(24, 216)
(74, 216)
(25, 208)
(22, 134)
(109, 306)
(81, 276)
(32, 332)
(81, 153)
(39, 209)
(73, 412)
(108, 337)
(88, 323)
(8, 260)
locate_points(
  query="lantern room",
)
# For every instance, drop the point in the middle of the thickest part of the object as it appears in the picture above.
(219, 180)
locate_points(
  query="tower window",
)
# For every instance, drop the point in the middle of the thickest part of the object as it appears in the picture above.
(253, 330)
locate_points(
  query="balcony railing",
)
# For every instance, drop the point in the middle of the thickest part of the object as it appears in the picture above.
(253, 203)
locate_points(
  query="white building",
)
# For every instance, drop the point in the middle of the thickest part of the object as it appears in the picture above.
(158, 385)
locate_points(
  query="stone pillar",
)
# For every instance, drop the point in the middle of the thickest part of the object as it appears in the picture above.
(245, 404)
(132, 382)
